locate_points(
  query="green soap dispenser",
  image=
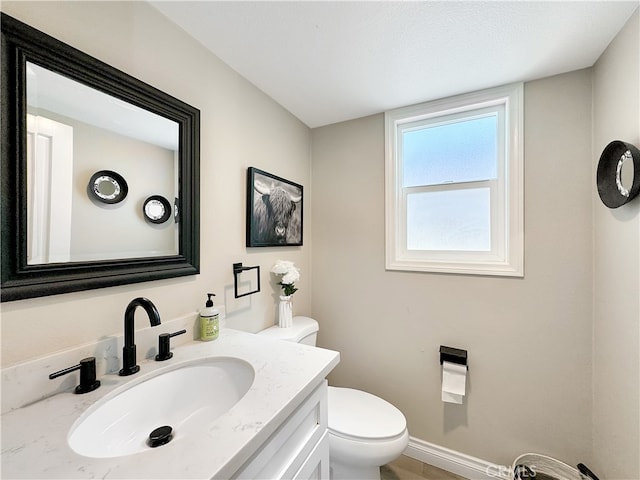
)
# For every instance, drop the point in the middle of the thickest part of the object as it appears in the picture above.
(209, 320)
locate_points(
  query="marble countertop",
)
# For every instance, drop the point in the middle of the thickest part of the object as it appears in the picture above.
(34, 437)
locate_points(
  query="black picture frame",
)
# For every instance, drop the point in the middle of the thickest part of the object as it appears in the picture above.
(274, 210)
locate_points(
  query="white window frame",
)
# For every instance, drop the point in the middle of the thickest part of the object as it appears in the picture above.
(506, 257)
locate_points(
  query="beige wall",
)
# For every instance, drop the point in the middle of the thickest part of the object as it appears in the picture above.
(616, 328)
(148, 170)
(529, 340)
(240, 127)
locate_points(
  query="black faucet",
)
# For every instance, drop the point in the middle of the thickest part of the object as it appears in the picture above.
(129, 366)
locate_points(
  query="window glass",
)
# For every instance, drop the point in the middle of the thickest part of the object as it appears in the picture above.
(449, 220)
(459, 151)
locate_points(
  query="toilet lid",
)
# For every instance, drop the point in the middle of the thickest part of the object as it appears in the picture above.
(355, 413)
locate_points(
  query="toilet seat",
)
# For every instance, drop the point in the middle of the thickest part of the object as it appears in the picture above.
(359, 415)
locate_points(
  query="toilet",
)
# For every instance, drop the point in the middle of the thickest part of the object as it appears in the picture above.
(365, 431)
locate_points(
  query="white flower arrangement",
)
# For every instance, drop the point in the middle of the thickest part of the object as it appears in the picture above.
(290, 275)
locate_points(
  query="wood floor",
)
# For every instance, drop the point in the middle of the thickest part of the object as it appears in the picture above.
(405, 468)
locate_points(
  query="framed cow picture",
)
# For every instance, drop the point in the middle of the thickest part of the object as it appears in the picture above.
(274, 210)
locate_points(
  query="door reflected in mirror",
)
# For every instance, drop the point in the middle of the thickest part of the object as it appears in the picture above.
(92, 161)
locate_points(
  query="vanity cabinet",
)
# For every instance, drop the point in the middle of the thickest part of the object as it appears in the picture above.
(277, 430)
(299, 448)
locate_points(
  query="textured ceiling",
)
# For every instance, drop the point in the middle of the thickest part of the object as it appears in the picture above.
(332, 61)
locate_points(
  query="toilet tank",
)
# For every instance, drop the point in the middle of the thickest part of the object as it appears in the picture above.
(303, 330)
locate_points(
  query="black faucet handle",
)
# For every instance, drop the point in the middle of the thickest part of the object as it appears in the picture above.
(164, 345)
(87, 367)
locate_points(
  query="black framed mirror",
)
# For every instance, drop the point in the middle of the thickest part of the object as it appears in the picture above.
(42, 252)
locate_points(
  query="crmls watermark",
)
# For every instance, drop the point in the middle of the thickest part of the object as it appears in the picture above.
(520, 472)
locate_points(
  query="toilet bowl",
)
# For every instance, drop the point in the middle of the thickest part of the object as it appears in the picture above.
(365, 431)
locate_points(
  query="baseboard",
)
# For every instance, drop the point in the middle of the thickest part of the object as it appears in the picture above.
(455, 462)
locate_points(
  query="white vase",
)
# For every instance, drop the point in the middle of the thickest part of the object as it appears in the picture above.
(285, 315)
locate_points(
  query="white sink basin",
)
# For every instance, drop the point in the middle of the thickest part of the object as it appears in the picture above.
(188, 399)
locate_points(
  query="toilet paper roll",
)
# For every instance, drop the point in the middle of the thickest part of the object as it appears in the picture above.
(454, 381)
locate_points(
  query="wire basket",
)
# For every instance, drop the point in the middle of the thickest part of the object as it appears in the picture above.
(532, 466)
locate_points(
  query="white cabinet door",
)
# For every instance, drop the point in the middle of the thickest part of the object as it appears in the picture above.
(316, 467)
(292, 444)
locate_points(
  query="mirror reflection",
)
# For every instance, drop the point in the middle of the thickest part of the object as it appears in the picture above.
(107, 188)
(625, 173)
(75, 132)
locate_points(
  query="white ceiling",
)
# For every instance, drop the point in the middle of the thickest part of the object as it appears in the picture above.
(57, 93)
(328, 61)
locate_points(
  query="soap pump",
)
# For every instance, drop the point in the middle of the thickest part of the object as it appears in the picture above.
(209, 320)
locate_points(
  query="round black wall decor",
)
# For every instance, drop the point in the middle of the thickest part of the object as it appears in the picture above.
(107, 187)
(156, 209)
(614, 188)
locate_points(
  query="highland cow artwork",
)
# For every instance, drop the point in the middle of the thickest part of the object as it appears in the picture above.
(274, 210)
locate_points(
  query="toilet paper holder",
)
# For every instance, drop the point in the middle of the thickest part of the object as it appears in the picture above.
(453, 355)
